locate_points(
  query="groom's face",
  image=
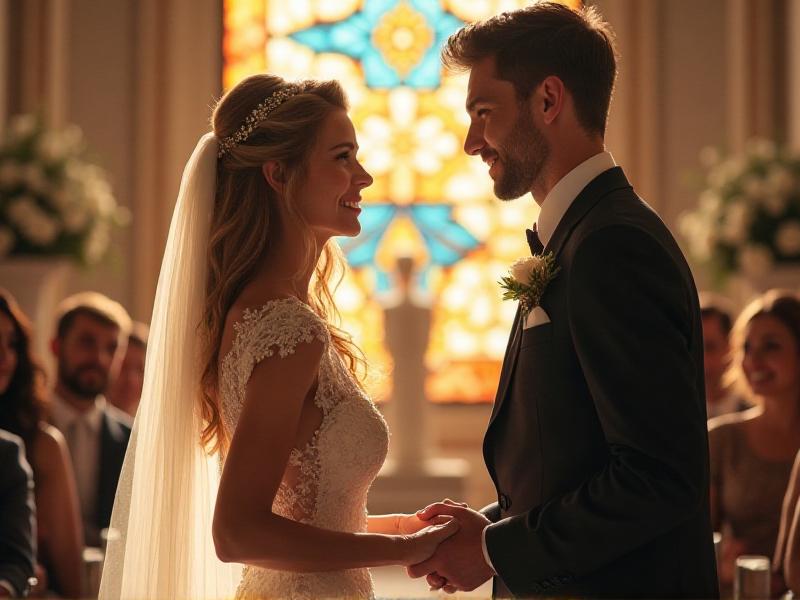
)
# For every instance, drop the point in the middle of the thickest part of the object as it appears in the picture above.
(503, 133)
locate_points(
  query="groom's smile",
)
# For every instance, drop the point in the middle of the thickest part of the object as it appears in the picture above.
(503, 133)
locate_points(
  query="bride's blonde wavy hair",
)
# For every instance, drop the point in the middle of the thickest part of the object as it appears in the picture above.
(246, 217)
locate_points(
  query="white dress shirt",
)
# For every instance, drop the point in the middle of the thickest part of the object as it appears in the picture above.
(563, 194)
(554, 207)
(82, 432)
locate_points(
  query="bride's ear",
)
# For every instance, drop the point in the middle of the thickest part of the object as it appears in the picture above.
(275, 174)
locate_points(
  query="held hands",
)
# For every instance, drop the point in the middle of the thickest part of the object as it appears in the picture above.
(408, 524)
(458, 563)
(421, 538)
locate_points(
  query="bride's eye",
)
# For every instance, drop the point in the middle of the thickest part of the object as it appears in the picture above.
(344, 155)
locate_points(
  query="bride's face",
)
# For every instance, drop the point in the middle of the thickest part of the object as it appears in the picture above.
(329, 196)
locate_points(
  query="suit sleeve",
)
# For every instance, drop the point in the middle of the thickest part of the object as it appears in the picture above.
(17, 517)
(631, 322)
(491, 512)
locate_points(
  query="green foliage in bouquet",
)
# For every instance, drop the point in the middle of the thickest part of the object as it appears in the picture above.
(53, 200)
(748, 216)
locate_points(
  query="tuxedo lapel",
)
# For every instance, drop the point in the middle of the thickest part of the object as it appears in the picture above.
(595, 190)
(602, 185)
(509, 362)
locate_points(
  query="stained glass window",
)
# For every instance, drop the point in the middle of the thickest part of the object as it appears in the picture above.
(429, 201)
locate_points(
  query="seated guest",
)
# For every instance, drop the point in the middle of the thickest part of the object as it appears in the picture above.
(17, 518)
(92, 331)
(60, 535)
(786, 562)
(127, 387)
(752, 451)
(717, 318)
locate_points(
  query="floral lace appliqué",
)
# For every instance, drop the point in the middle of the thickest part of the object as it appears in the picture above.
(325, 483)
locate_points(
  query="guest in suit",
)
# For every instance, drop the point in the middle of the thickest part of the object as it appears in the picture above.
(127, 387)
(17, 518)
(752, 452)
(717, 315)
(22, 412)
(92, 331)
(597, 444)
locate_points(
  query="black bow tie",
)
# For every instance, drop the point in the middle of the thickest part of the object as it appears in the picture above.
(534, 242)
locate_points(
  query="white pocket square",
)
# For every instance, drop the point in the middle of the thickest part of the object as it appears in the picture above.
(536, 317)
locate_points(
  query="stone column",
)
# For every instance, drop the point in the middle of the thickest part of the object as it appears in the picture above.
(412, 476)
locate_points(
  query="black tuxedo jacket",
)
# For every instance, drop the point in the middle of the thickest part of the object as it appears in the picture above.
(114, 435)
(597, 444)
(17, 515)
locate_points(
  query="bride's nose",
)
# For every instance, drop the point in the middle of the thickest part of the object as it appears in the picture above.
(362, 178)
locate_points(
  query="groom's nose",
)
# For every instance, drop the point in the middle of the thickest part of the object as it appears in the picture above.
(474, 142)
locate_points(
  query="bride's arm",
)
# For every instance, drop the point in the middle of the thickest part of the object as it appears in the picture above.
(384, 524)
(245, 529)
(397, 524)
(400, 524)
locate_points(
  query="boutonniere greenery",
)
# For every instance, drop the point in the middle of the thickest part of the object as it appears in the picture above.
(527, 279)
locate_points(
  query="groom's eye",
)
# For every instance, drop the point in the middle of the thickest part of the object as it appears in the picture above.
(482, 112)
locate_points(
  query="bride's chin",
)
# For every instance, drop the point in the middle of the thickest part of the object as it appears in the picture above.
(351, 231)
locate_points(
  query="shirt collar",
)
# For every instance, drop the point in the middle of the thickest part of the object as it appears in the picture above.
(562, 195)
(64, 414)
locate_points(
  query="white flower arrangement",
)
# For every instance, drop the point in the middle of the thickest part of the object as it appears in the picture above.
(53, 200)
(748, 217)
(527, 279)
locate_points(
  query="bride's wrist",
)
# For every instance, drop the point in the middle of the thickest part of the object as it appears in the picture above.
(398, 549)
(405, 549)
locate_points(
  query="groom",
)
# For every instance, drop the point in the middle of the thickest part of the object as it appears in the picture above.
(597, 443)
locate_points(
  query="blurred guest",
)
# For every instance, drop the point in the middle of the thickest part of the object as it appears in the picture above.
(17, 518)
(787, 551)
(127, 387)
(717, 318)
(752, 452)
(91, 336)
(60, 535)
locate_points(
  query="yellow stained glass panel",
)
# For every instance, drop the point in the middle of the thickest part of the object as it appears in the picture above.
(411, 123)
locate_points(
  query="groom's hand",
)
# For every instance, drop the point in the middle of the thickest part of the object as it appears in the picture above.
(459, 560)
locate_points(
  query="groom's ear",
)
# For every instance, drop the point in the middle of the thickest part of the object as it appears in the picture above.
(550, 97)
(275, 174)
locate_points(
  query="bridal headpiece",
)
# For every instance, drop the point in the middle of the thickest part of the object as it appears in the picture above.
(259, 114)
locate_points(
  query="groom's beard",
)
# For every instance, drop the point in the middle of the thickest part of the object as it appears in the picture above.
(523, 156)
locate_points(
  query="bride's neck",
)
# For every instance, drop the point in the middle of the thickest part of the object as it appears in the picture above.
(284, 267)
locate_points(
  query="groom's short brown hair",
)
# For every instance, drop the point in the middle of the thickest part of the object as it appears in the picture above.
(546, 38)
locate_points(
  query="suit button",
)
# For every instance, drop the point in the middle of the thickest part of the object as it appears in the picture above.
(504, 501)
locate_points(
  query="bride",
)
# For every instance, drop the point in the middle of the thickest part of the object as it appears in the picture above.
(255, 445)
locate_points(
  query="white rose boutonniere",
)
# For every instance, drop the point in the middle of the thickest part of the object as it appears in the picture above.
(527, 279)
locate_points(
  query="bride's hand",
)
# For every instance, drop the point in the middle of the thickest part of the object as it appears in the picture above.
(421, 545)
(408, 524)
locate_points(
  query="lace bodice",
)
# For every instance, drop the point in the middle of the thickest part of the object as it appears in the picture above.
(326, 481)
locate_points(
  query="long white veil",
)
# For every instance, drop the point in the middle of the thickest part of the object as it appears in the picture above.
(165, 499)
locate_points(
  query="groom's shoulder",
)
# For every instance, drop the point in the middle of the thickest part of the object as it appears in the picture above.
(617, 206)
(622, 216)
(623, 229)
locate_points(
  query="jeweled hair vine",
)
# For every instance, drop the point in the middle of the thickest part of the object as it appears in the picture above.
(256, 116)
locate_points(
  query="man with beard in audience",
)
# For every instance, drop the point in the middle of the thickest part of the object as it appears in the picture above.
(91, 335)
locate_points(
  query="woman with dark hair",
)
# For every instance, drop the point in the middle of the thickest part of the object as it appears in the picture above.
(752, 452)
(22, 412)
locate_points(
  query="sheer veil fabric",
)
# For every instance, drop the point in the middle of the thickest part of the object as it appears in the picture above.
(167, 489)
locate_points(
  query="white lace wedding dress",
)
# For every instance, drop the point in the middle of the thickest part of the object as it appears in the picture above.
(326, 482)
